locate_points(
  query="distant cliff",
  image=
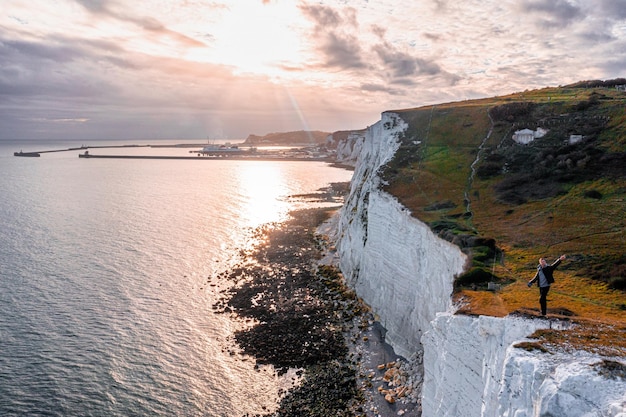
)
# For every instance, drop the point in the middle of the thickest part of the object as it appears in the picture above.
(346, 145)
(297, 138)
(443, 225)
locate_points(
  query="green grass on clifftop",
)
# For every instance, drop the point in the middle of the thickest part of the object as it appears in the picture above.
(505, 204)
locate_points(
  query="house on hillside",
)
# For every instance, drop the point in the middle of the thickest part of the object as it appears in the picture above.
(525, 136)
(575, 139)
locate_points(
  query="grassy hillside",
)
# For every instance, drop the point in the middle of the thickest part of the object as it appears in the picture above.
(507, 204)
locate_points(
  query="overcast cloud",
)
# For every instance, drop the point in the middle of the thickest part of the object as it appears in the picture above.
(116, 69)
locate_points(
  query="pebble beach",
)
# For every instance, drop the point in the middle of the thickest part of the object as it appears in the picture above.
(299, 317)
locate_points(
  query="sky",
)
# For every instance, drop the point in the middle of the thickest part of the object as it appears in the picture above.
(196, 69)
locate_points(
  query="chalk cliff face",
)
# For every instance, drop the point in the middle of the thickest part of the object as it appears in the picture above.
(471, 368)
(405, 273)
(395, 263)
(573, 385)
(348, 150)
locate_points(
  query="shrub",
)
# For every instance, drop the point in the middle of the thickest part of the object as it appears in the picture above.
(475, 276)
(489, 169)
(598, 83)
(611, 270)
(593, 194)
(617, 283)
(441, 225)
(611, 369)
(530, 346)
(512, 197)
(440, 205)
(483, 254)
(511, 111)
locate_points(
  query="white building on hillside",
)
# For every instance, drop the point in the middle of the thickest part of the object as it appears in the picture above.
(525, 136)
(573, 139)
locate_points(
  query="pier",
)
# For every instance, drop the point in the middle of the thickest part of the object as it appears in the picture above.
(27, 154)
(293, 155)
(38, 153)
(255, 157)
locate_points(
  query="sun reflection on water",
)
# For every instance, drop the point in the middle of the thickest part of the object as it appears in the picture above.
(263, 188)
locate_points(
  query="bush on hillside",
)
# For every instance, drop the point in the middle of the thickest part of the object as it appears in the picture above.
(618, 283)
(540, 171)
(493, 165)
(483, 254)
(598, 83)
(595, 194)
(617, 274)
(511, 112)
(609, 269)
(476, 276)
(440, 205)
(446, 225)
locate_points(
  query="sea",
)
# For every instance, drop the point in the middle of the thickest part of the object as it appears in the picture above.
(105, 308)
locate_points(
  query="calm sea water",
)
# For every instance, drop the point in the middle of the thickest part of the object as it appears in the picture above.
(104, 304)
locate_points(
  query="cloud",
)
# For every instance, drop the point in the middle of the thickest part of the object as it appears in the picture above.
(589, 21)
(432, 36)
(404, 68)
(379, 31)
(105, 8)
(323, 16)
(403, 65)
(552, 13)
(10, 50)
(613, 9)
(156, 27)
(375, 87)
(113, 93)
(615, 65)
(338, 49)
(343, 46)
(392, 90)
(440, 5)
(94, 6)
(126, 70)
(600, 21)
(56, 63)
(597, 35)
(342, 51)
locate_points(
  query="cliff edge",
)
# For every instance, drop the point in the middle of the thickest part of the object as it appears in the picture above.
(451, 205)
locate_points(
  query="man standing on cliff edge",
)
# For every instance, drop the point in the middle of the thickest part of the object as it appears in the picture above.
(544, 279)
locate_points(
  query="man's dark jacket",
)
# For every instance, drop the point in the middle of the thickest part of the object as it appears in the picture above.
(547, 271)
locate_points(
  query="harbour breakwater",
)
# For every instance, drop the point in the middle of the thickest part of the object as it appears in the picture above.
(208, 158)
(405, 273)
(305, 153)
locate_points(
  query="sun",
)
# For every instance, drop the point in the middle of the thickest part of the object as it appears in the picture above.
(255, 38)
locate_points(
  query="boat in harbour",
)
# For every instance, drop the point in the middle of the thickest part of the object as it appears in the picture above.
(222, 149)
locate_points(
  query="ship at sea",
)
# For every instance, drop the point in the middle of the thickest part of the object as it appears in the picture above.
(223, 149)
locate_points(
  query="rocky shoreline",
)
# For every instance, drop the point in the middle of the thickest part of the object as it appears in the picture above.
(299, 315)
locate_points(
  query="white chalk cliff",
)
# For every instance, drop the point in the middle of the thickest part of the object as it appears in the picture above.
(405, 273)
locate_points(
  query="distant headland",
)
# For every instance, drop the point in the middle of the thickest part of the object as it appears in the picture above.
(300, 137)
